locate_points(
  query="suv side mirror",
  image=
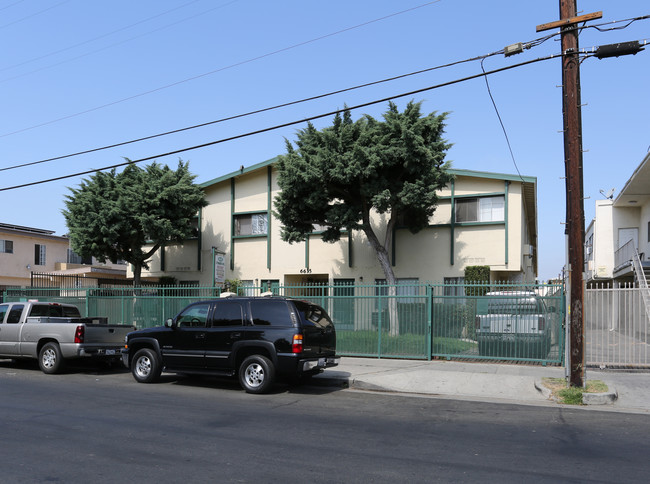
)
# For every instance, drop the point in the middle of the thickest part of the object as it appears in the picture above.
(169, 323)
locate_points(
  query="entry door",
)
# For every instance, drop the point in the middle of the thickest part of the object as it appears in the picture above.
(186, 346)
(10, 328)
(225, 328)
(625, 235)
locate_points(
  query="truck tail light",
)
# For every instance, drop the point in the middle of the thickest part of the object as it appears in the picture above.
(541, 323)
(79, 334)
(296, 346)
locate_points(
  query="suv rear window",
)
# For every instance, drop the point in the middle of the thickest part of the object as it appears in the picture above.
(270, 313)
(313, 315)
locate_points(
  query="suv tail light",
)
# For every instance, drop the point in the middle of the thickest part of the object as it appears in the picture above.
(541, 323)
(79, 334)
(296, 346)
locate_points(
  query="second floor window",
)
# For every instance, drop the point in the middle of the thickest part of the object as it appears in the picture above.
(251, 224)
(7, 246)
(39, 255)
(485, 209)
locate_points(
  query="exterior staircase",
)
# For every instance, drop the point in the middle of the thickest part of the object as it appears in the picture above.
(641, 274)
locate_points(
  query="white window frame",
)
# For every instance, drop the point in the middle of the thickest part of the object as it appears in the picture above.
(4, 246)
(258, 224)
(488, 209)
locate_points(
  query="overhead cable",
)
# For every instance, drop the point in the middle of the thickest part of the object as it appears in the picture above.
(284, 125)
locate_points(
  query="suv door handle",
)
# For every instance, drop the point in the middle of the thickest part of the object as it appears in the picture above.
(200, 336)
(235, 335)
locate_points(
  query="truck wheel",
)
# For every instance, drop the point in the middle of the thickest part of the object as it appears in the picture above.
(256, 374)
(146, 367)
(49, 358)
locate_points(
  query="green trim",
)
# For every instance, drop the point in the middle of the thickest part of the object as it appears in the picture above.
(269, 186)
(307, 252)
(498, 176)
(199, 242)
(241, 171)
(350, 248)
(251, 236)
(250, 212)
(453, 222)
(475, 195)
(505, 216)
(474, 224)
(162, 257)
(232, 224)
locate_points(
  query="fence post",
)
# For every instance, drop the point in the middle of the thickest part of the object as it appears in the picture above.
(429, 331)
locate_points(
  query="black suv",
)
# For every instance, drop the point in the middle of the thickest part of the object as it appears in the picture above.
(255, 338)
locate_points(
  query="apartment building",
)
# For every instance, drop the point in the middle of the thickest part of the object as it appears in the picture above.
(482, 219)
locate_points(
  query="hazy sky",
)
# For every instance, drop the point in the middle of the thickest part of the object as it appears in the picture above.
(77, 75)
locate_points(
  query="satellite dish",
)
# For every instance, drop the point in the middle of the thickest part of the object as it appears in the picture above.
(609, 195)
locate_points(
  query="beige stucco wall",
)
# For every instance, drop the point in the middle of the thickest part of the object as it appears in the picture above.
(425, 256)
(16, 268)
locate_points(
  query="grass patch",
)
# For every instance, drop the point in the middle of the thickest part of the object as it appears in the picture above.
(572, 395)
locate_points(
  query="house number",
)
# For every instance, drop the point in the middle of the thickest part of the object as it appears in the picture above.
(305, 271)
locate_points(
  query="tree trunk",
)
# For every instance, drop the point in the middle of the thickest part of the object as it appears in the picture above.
(384, 262)
(137, 275)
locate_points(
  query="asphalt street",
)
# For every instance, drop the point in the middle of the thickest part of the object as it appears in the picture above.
(102, 426)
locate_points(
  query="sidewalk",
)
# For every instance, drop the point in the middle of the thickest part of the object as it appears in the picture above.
(492, 382)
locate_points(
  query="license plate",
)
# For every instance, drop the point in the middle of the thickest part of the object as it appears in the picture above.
(110, 352)
(321, 361)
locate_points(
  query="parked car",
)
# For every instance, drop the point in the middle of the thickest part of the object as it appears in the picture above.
(53, 332)
(257, 339)
(514, 323)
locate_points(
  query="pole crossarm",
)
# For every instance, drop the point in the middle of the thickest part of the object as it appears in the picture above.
(569, 21)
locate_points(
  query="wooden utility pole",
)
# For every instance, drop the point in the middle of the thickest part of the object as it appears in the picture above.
(575, 215)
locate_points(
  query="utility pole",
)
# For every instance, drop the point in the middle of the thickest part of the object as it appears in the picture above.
(575, 215)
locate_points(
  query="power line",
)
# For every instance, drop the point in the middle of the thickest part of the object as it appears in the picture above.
(7, 79)
(284, 125)
(237, 64)
(250, 113)
(91, 40)
(31, 15)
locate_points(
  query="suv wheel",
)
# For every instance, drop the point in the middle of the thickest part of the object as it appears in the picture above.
(146, 367)
(256, 374)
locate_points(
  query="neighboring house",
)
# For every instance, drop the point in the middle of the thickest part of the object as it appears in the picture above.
(27, 250)
(482, 219)
(619, 234)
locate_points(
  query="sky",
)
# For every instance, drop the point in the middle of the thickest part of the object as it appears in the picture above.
(76, 76)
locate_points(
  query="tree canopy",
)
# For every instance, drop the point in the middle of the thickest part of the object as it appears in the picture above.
(114, 216)
(336, 176)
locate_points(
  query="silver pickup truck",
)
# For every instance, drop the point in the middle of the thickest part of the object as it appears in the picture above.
(53, 332)
(514, 324)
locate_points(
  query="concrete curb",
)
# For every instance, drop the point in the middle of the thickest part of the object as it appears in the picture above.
(606, 398)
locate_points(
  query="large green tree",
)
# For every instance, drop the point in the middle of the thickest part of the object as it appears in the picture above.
(336, 177)
(114, 216)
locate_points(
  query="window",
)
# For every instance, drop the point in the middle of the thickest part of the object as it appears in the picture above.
(270, 313)
(7, 246)
(228, 314)
(14, 314)
(3, 312)
(454, 290)
(405, 287)
(251, 224)
(194, 316)
(485, 209)
(39, 255)
(247, 288)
